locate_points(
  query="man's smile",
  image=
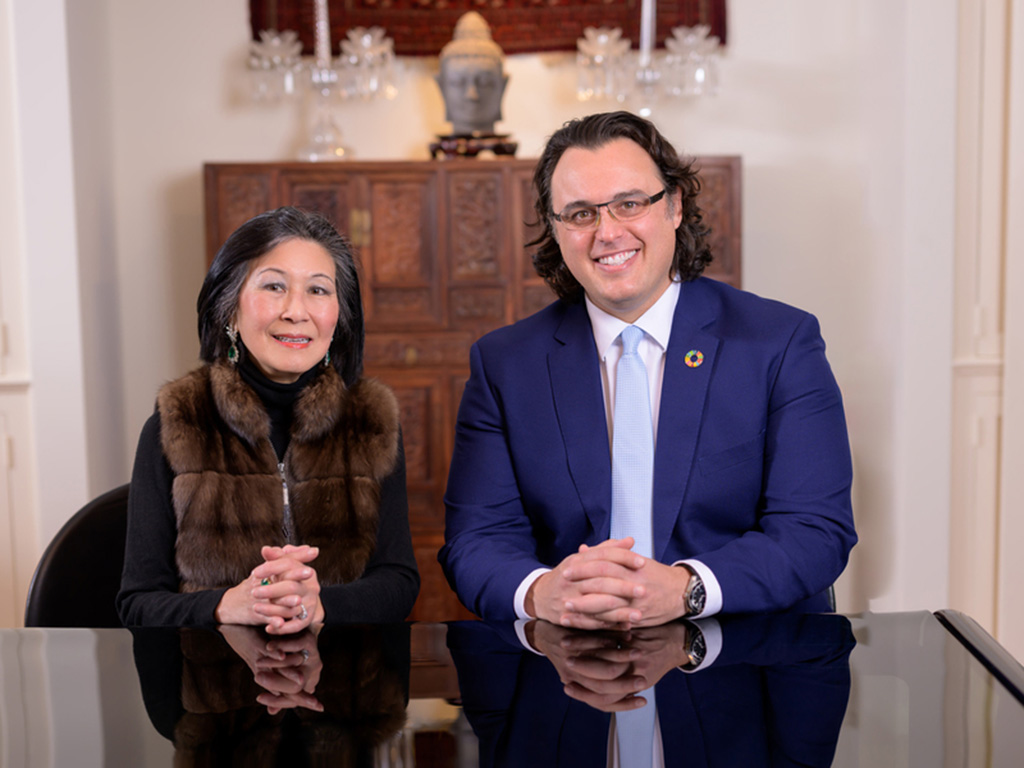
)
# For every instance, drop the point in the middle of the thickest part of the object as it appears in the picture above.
(617, 259)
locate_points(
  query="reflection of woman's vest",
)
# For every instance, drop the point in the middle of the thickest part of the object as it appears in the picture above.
(363, 687)
(227, 492)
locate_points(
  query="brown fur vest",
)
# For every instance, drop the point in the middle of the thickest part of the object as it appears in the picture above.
(227, 491)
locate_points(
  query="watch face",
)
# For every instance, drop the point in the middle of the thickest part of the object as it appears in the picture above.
(698, 648)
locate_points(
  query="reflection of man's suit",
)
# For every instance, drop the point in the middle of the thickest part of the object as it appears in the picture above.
(752, 467)
(776, 696)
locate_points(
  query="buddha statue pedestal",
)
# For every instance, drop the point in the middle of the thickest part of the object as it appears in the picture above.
(472, 144)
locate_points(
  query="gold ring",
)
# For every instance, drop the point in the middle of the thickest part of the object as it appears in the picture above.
(265, 581)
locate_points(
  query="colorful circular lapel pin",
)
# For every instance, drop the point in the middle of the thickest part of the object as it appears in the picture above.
(694, 358)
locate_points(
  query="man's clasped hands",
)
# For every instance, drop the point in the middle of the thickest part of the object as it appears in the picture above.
(608, 586)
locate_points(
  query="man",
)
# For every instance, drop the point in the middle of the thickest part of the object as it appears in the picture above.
(748, 506)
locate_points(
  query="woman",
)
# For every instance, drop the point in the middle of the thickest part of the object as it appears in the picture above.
(269, 485)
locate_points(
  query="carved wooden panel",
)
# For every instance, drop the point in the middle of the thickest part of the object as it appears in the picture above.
(417, 416)
(477, 247)
(524, 214)
(231, 200)
(532, 293)
(420, 350)
(443, 260)
(401, 258)
(423, 402)
(721, 205)
(331, 196)
(475, 233)
(481, 306)
(398, 228)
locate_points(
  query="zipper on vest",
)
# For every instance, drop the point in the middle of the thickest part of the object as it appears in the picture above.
(287, 526)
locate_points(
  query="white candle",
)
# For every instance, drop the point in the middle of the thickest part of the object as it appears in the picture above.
(646, 31)
(322, 35)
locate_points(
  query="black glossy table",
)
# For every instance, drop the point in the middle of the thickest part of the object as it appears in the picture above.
(903, 689)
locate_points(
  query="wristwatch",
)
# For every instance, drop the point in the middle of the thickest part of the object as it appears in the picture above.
(696, 647)
(696, 595)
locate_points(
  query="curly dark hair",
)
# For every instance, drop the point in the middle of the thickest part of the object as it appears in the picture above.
(218, 298)
(693, 250)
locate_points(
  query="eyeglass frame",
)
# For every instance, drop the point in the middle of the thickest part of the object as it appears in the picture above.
(651, 200)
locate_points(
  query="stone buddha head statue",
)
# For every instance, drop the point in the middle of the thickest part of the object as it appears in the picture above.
(472, 77)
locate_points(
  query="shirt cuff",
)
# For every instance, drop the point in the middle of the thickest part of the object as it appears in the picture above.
(520, 627)
(712, 589)
(519, 601)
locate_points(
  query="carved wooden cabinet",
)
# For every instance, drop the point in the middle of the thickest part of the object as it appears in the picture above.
(441, 247)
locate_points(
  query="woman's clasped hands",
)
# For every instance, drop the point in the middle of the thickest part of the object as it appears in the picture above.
(282, 593)
(287, 668)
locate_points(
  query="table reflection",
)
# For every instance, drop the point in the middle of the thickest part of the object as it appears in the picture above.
(773, 692)
(773, 695)
(240, 697)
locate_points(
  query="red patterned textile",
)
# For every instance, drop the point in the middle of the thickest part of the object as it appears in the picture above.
(422, 27)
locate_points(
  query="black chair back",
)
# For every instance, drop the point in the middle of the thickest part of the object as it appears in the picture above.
(80, 572)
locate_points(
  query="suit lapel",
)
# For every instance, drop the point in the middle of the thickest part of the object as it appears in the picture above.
(579, 405)
(689, 363)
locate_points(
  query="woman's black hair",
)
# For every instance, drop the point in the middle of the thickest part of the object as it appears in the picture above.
(218, 298)
(693, 250)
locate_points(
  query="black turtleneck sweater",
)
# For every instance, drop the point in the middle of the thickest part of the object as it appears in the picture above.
(149, 583)
(278, 399)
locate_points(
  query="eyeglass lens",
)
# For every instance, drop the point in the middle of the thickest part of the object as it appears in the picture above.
(624, 209)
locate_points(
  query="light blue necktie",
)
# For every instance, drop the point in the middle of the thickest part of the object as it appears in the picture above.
(632, 489)
(632, 448)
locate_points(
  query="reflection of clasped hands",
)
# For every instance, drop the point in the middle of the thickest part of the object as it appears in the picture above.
(607, 586)
(289, 668)
(607, 669)
(282, 593)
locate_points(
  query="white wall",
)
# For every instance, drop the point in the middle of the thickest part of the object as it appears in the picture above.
(16, 476)
(42, 418)
(93, 149)
(51, 266)
(842, 111)
(1011, 492)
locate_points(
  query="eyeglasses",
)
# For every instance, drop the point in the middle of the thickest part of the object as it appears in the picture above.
(625, 208)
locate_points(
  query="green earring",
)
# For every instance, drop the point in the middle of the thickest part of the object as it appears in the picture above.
(232, 333)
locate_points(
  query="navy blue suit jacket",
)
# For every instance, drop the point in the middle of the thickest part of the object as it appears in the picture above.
(752, 468)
